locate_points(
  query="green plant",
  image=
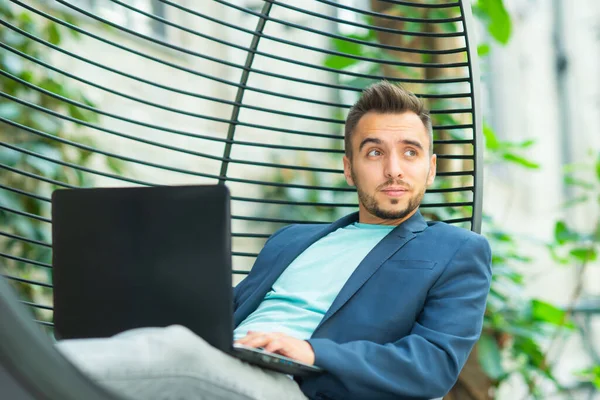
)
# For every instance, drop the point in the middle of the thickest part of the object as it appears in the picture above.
(591, 375)
(579, 247)
(22, 237)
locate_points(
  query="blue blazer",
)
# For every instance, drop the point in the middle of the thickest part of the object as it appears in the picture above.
(406, 320)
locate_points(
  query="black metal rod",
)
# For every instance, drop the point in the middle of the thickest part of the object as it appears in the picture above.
(24, 214)
(260, 26)
(365, 12)
(477, 116)
(421, 5)
(145, 163)
(296, 44)
(35, 305)
(387, 16)
(166, 129)
(35, 176)
(24, 239)
(25, 260)
(246, 10)
(216, 79)
(165, 146)
(272, 201)
(23, 280)
(260, 71)
(23, 192)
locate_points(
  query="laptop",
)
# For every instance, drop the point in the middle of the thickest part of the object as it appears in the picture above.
(134, 257)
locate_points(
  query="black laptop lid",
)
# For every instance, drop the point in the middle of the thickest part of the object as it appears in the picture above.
(135, 257)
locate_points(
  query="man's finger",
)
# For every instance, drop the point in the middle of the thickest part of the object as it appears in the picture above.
(259, 341)
(251, 335)
(276, 345)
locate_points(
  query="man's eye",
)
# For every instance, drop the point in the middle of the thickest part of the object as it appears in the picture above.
(373, 153)
(410, 153)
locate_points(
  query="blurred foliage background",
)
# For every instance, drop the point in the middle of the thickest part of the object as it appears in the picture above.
(520, 332)
(24, 88)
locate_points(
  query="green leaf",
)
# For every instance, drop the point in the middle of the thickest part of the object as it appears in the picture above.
(557, 257)
(526, 144)
(501, 236)
(562, 233)
(591, 375)
(520, 160)
(339, 62)
(598, 167)
(444, 14)
(5, 10)
(531, 349)
(348, 47)
(496, 18)
(584, 254)
(577, 200)
(73, 21)
(25, 18)
(53, 34)
(491, 141)
(27, 76)
(488, 354)
(483, 50)
(115, 165)
(53, 86)
(413, 27)
(87, 100)
(449, 27)
(572, 181)
(546, 312)
(81, 113)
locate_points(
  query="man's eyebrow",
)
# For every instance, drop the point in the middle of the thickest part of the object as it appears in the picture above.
(368, 140)
(378, 141)
(413, 143)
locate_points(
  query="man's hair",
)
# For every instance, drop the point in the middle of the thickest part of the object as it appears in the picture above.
(386, 98)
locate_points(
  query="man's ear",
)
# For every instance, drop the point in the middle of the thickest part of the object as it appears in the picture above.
(348, 171)
(432, 169)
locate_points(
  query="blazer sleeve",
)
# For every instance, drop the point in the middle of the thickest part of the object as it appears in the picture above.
(426, 363)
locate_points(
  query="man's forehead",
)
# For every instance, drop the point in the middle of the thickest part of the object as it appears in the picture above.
(381, 121)
(390, 125)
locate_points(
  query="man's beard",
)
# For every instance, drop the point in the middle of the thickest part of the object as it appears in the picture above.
(371, 205)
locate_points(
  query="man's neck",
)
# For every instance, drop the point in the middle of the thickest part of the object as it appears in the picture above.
(365, 217)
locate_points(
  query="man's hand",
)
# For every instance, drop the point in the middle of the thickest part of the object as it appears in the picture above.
(282, 344)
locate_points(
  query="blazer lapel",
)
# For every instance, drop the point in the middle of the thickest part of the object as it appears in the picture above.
(286, 255)
(389, 245)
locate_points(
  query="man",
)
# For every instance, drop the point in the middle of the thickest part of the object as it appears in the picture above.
(389, 305)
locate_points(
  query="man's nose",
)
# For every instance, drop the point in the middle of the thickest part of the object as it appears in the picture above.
(393, 166)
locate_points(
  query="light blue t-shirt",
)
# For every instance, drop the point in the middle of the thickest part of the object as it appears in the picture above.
(303, 293)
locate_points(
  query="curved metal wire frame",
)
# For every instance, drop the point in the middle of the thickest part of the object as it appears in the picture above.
(467, 73)
(220, 80)
(267, 73)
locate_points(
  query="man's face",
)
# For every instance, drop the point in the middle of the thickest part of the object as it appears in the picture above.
(390, 166)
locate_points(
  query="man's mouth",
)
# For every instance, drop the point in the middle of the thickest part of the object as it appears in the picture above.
(394, 191)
